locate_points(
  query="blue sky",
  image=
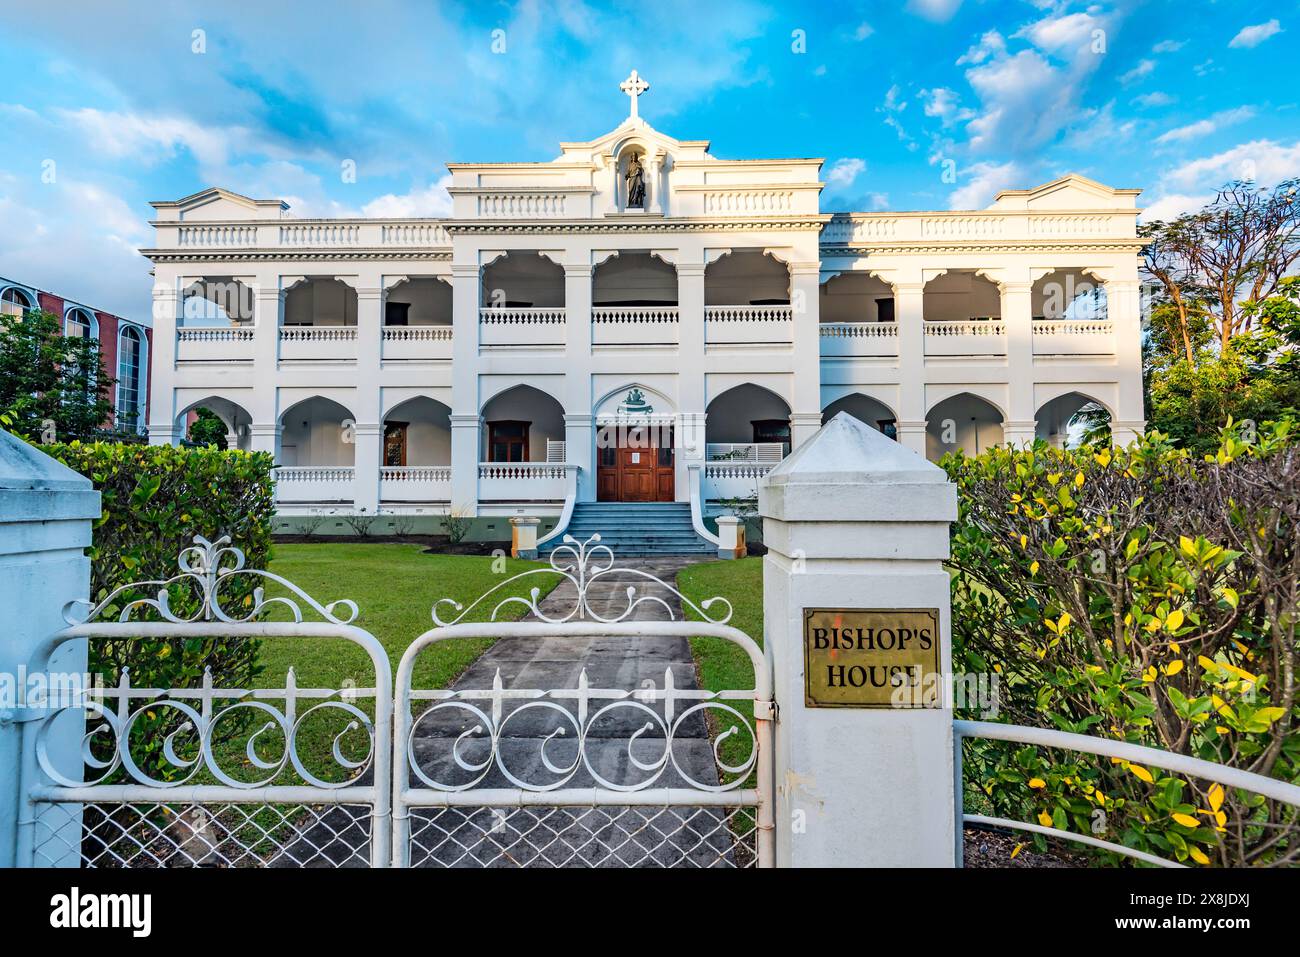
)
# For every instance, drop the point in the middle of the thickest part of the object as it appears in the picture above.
(105, 110)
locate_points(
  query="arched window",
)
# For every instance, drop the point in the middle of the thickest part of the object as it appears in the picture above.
(15, 302)
(130, 365)
(80, 323)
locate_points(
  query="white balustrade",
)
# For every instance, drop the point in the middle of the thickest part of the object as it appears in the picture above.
(216, 234)
(314, 483)
(331, 343)
(522, 481)
(980, 337)
(1074, 337)
(734, 479)
(748, 324)
(521, 205)
(635, 325)
(859, 338)
(320, 234)
(404, 343)
(415, 483)
(727, 201)
(413, 234)
(511, 326)
(214, 344)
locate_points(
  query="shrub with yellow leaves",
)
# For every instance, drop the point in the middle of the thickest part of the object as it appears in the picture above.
(1141, 595)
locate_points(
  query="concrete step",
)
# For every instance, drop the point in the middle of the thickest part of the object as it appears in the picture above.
(637, 528)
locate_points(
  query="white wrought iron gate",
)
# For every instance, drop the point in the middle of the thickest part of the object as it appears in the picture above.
(595, 773)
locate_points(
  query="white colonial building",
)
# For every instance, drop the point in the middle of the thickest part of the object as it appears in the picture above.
(633, 321)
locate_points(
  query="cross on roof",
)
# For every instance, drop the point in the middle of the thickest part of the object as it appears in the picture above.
(633, 86)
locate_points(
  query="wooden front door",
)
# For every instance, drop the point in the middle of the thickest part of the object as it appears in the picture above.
(637, 472)
(395, 443)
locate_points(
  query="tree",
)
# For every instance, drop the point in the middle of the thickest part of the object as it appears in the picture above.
(1207, 264)
(208, 429)
(1221, 326)
(47, 379)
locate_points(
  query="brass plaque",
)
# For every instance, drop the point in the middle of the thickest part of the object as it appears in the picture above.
(871, 657)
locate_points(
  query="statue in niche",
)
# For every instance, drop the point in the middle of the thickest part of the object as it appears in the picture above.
(635, 183)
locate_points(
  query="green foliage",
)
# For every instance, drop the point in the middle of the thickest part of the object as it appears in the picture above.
(1256, 379)
(155, 499)
(1147, 596)
(46, 377)
(208, 429)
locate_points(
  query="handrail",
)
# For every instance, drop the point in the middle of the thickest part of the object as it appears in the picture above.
(1105, 747)
(566, 513)
(693, 477)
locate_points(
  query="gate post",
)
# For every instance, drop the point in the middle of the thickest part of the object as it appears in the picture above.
(45, 513)
(856, 625)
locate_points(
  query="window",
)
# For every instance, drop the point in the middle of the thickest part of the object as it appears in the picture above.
(130, 362)
(773, 430)
(885, 310)
(79, 324)
(889, 427)
(395, 444)
(15, 302)
(508, 441)
(396, 313)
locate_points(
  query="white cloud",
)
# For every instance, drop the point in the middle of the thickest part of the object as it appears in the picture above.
(844, 171)
(983, 182)
(937, 11)
(1144, 68)
(1153, 99)
(863, 31)
(991, 44)
(1068, 34)
(942, 103)
(433, 200)
(1264, 161)
(1173, 206)
(1207, 126)
(1255, 35)
(1169, 46)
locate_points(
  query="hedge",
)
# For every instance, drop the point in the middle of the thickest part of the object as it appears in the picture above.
(155, 499)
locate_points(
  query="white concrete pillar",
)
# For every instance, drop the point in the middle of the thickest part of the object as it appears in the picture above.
(162, 362)
(465, 421)
(909, 314)
(580, 450)
(579, 439)
(692, 398)
(1124, 310)
(856, 528)
(806, 409)
(366, 402)
(45, 526)
(523, 536)
(731, 537)
(1018, 317)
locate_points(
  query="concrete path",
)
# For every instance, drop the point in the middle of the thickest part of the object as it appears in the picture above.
(585, 836)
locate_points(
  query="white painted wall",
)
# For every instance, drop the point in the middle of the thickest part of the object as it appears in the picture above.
(313, 433)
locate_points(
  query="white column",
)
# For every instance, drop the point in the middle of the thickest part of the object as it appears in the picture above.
(909, 313)
(1124, 309)
(45, 525)
(465, 423)
(806, 408)
(162, 363)
(580, 443)
(691, 392)
(1018, 317)
(856, 528)
(268, 313)
(366, 402)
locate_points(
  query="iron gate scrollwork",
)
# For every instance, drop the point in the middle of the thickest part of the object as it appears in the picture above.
(290, 776)
(605, 771)
(658, 774)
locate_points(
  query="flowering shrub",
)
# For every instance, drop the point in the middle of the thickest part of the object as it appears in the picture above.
(1142, 595)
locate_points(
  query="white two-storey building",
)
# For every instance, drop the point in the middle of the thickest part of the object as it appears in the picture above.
(633, 321)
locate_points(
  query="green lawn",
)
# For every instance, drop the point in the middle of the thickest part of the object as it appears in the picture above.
(395, 586)
(720, 664)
